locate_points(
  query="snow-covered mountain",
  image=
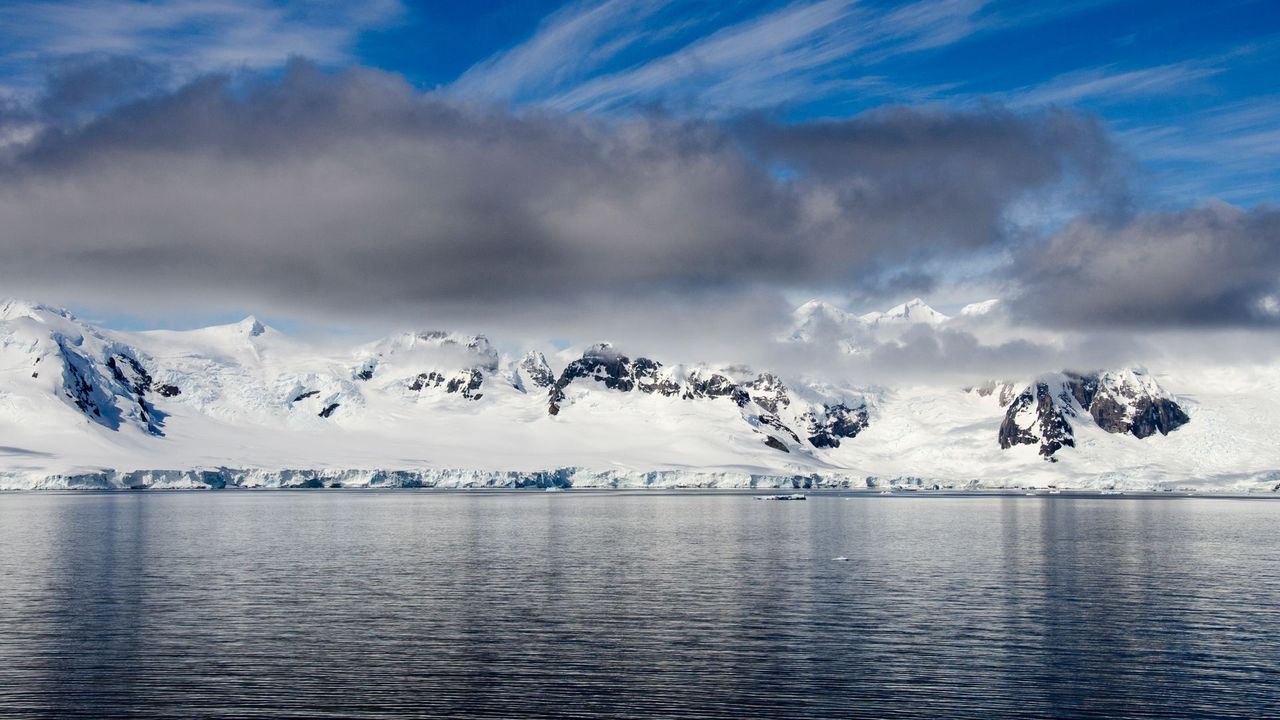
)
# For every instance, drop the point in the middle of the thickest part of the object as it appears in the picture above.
(1127, 401)
(243, 404)
(817, 319)
(912, 312)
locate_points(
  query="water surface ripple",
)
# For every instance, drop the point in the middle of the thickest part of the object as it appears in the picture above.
(642, 605)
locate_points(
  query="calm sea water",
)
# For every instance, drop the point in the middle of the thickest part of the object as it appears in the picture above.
(383, 604)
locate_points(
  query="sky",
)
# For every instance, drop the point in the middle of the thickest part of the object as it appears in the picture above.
(655, 166)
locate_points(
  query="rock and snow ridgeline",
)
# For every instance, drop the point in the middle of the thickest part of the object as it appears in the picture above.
(447, 410)
(1127, 401)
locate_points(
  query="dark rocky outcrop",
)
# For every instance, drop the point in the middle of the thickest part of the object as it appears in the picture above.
(1157, 415)
(108, 391)
(1126, 401)
(467, 383)
(166, 390)
(650, 379)
(761, 398)
(1035, 418)
(826, 428)
(329, 409)
(709, 384)
(774, 422)
(602, 364)
(535, 369)
(127, 371)
(768, 392)
(775, 443)
(426, 380)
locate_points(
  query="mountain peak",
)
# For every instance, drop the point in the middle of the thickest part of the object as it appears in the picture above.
(816, 306)
(251, 326)
(15, 308)
(914, 310)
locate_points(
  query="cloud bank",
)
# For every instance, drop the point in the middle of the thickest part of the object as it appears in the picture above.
(353, 193)
(352, 196)
(1210, 265)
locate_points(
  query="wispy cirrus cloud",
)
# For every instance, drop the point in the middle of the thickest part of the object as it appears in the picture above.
(799, 51)
(1229, 150)
(192, 36)
(1113, 84)
(573, 41)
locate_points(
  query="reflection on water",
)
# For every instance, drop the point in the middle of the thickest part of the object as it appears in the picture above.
(351, 604)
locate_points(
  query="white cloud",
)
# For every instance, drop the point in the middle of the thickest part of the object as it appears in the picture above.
(193, 36)
(801, 51)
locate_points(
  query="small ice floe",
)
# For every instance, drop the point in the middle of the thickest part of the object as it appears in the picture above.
(553, 488)
(840, 559)
(794, 496)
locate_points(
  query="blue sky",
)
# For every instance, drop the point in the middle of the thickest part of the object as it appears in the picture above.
(1186, 90)
(1188, 87)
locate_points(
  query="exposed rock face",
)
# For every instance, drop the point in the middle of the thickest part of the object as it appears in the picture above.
(472, 355)
(166, 390)
(768, 392)
(466, 383)
(762, 399)
(776, 444)
(1034, 417)
(827, 427)
(137, 381)
(458, 364)
(1126, 401)
(605, 365)
(108, 392)
(709, 384)
(365, 372)
(426, 380)
(535, 369)
(650, 378)
(769, 420)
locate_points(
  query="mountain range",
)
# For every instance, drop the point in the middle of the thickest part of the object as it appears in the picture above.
(83, 406)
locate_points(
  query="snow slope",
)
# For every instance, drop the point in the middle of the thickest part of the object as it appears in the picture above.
(243, 404)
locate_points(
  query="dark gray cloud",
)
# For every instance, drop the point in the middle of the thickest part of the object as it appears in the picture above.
(928, 180)
(80, 86)
(1215, 264)
(353, 194)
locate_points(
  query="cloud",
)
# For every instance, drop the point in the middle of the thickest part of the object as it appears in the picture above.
(1110, 84)
(351, 194)
(927, 182)
(188, 36)
(1228, 151)
(799, 51)
(1210, 265)
(78, 87)
(568, 44)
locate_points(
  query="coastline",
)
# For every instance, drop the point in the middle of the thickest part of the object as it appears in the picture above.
(611, 480)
